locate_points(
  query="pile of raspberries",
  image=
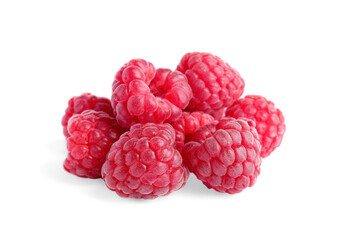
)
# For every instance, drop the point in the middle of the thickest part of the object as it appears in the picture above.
(160, 125)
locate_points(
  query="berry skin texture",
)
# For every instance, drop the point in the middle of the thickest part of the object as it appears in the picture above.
(225, 156)
(188, 123)
(215, 85)
(143, 163)
(84, 102)
(141, 94)
(91, 135)
(269, 120)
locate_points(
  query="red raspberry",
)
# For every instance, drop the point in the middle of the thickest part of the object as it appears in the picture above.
(269, 120)
(214, 83)
(84, 102)
(91, 135)
(141, 94)
(225, 156)
(188, 123)
(143, 163)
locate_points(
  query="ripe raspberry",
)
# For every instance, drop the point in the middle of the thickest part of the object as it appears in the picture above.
(188, 123)
(143, 163)
(141, 94)
(269, 120)
(225, 156)
(214, 83)
(91, 135)
(84, 102)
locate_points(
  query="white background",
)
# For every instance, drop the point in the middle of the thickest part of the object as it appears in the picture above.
(296, 53)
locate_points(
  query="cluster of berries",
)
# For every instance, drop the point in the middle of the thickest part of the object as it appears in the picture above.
(160, 125)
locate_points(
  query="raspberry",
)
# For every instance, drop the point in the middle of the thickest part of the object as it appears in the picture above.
(143, 163)
(141, 94)
(225, 156)
(214, 83)
(188, 123)
(91, 135)
(269, 120)
(84, 102)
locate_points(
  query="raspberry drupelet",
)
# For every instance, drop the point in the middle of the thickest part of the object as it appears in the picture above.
(225, 156)
(91, 135)
(142, 94)
(144, 163)
(84, 102)
(215, 85)
(269, 120)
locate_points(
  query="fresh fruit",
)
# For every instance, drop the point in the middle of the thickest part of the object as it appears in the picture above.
(91, 135)
(269, 120)
(144, 163)
(215, 85)
(225, 156)
(142, 94)
(160, 125)
(84, 102)
(188, 123)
